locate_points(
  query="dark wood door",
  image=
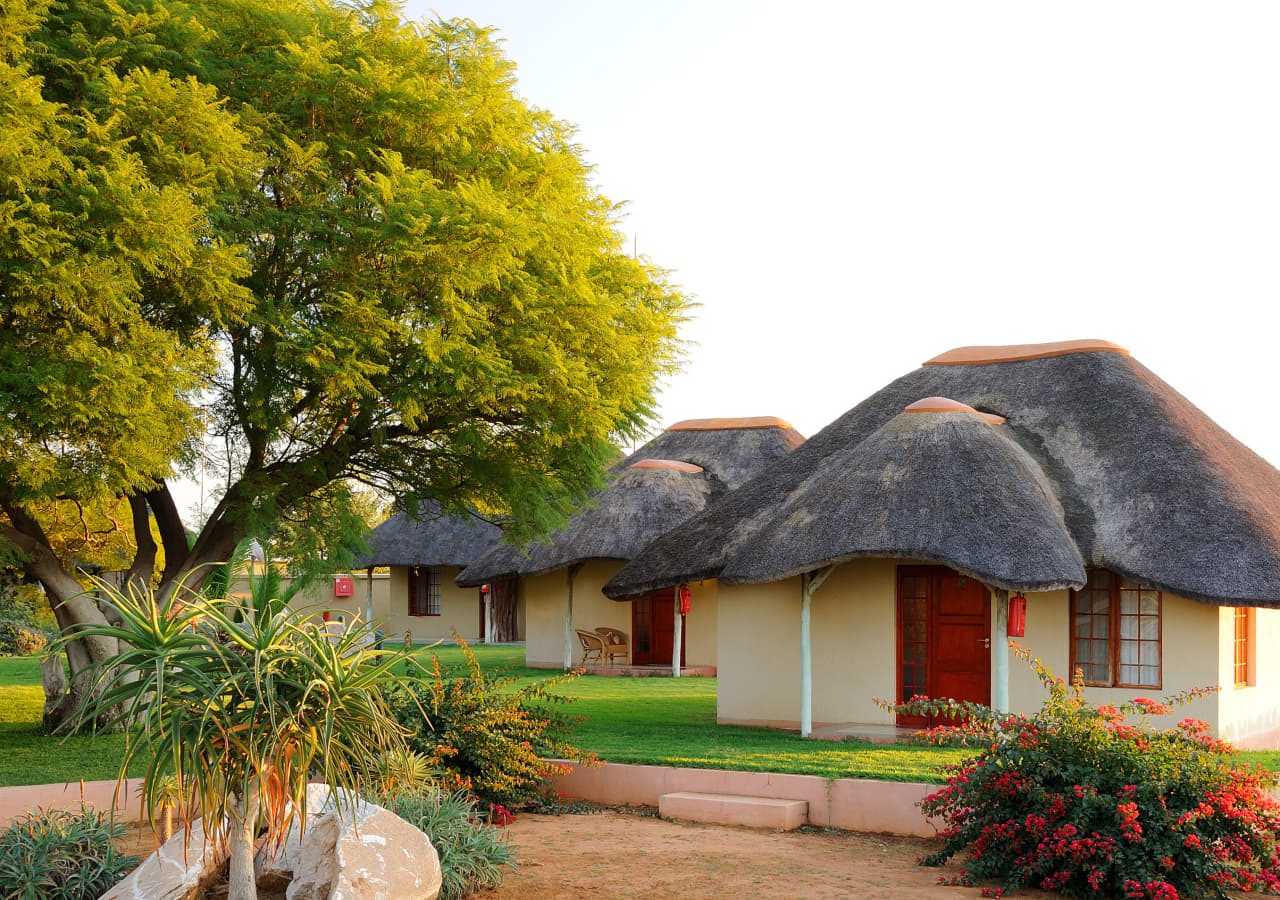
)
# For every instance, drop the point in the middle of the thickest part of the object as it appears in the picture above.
(653, 629)
(944, 637)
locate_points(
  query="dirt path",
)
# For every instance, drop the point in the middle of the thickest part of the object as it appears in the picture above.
(616, 855)
(610, 855)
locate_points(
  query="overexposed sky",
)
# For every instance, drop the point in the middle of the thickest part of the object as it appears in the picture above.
(851, 188)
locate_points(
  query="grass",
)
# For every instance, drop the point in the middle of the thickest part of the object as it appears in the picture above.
(658, 721)
(29, 757)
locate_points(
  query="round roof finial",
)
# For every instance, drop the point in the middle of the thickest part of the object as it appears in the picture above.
(947, 405)
(673, 464)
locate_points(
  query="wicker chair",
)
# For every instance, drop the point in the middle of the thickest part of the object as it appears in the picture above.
(615, 644)
(592, 646)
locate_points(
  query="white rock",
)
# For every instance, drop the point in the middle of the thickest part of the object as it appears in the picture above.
(359, 850)
(172, 872)
(353, 850)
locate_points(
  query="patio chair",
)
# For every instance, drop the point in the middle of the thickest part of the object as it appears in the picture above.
(615, 643)
(592, 646)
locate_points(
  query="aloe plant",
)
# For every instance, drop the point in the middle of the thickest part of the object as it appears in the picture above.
(244, 701)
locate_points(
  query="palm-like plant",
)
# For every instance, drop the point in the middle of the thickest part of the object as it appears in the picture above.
(244, 701)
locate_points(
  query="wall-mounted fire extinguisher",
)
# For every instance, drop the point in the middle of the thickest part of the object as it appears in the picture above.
(1017, 616)
(685, 597)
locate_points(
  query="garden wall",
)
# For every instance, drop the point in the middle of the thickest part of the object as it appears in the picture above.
(17, 801)
(852, 804)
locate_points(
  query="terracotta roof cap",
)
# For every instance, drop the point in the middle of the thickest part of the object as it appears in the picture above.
(665, 464)
(947, 405)
(981, 356)
(746, 422)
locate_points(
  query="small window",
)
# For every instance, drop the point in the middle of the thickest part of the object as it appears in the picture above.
(424, 591)
(1115, 631)
(1243, 645)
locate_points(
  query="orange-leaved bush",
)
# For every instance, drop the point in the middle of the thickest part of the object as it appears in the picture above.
(1096, 801)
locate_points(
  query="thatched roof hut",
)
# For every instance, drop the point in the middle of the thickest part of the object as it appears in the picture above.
(431, 539)
(938, 481)
(1141, 481)
(660, 485)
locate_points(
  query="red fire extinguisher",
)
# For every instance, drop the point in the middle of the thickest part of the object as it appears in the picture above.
(685, 597)
(1017, 615)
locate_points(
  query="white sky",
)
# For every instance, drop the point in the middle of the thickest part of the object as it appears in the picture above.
(851, 188)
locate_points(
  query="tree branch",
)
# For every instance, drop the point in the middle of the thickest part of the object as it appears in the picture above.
(173, 534)
(144, 559)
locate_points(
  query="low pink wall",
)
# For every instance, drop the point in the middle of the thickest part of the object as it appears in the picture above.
(16, 802)
(853, 804)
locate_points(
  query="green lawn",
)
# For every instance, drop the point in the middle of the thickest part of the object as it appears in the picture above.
(661, 721)
(29, 757)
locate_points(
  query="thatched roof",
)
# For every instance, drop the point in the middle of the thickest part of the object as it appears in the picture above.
(935, 482)
(432, 539)
(1147, 484)
(657, 487)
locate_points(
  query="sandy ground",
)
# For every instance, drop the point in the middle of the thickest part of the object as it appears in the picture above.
(615, 855)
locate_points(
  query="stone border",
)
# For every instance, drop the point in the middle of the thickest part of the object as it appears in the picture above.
(19, 800)
(852, 804)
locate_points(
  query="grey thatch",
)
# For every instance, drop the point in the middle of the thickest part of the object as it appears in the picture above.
(936, 486)
(1148, 485)
(432, 539)
(640, 504)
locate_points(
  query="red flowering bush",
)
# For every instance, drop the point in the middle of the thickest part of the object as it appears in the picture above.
(1074, 799)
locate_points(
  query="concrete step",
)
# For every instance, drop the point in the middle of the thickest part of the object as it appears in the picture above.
(734, 809)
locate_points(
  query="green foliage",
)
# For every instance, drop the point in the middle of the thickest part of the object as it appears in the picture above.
(326, 532)
(19, 638)
(337, 242)
(105, 244)
(59, 855)
(493, 736)
(473, 854)
(1077, 800)
(244, 699)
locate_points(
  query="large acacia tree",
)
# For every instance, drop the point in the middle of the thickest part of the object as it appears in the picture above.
(337, 241)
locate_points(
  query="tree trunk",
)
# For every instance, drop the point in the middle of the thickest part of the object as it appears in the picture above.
(242, 883)
(502, 601)
(72, 608)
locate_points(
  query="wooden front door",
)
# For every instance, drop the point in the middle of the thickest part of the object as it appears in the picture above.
(653, 629)
(944, 638)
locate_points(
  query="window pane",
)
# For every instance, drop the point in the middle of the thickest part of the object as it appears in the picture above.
(1150, 629)
(1150, 654)
(1128, 603)
(1128, 627)
(1150, 603)
(1130, 674)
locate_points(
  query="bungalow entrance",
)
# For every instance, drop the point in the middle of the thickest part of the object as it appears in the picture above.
(944, 637)
(653, 629)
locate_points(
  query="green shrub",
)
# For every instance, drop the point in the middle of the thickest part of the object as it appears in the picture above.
(491, 736)
(1076, 799)
(18, 638)
(473, 855)
(59, 855)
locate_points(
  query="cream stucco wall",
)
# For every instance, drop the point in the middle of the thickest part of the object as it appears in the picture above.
(1189, 638)
(546, 598)
(459, 610)
(319, 597)
(1250, 715)
(459, 607)
(853, 637)
(854, 650)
